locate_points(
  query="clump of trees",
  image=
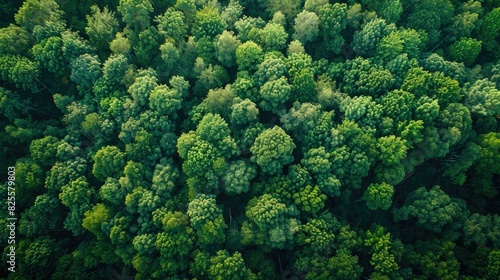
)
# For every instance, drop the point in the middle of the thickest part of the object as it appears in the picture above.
(252, 139)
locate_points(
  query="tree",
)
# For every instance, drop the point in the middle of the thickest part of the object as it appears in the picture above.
(146, 48)
(479, 229)
(306, 27)
(96, 218)
(78, 197)
(296, 63)
(493, 264)
(44, 216)
(205, 152)
(316, 160)
(243, 112)
(49, 52)
(383, 260)
(490, 30)
(120, 44)
(20, 71)
(486, 165)
(171, 25)
(272, 150)
(464, 23)
(379, 196)
(314, 5)
(43, 150)
(101, 27)
(207, 221)
(268, 222)
(333, 19)
(434, 209)
(174, 243)
(74, 45)
(304, 86)
(232, 13)
(295, 46)
(217, 101)
(36, 12)
(225, 266)
(365, 78)
(248, 56)
(63, 172)
(247, 24)
(310, 199)
(238, 176)
(141, 89)
(482, 98)
(455, 70)
(435, 85)
(406, 41)
(429, 16)
(350, 146)
(289, 8)
(37, 255)
(170, 55)
(135, 13)
(109, 161)
(390, 10)
(14, 40)
(392, 149)
(114, 71)
(226, 46)
(208, 23)
(212, 77)
(424, 255)
(345, 265)
(466, 50)
(319, 233)
(214, 129)
(165, 100)
(274, 94)
(366, 40)
(29, 180)
(85, 70)
(271, 68)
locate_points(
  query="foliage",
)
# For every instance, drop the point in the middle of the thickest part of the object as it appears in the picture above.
(366, 40)
(306, 27)
(207, 221)
(101, 27)
(333, 19)
(251, 139)
(109, 162)
(272, 150)
(225, 266)
(248, 55)
(490, 29)
(269, 222)
(466, 50)
(482, 98)
(37, 13)
(433, 209)
(379, 196)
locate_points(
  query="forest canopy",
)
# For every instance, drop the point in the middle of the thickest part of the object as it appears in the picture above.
(250, 139)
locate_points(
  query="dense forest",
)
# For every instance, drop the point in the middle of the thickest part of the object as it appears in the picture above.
(250, 139)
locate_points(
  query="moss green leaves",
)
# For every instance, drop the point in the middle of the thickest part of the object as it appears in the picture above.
(379, 196)
(109, 161)
(272, 150)
(434, 209)
(466, 50)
